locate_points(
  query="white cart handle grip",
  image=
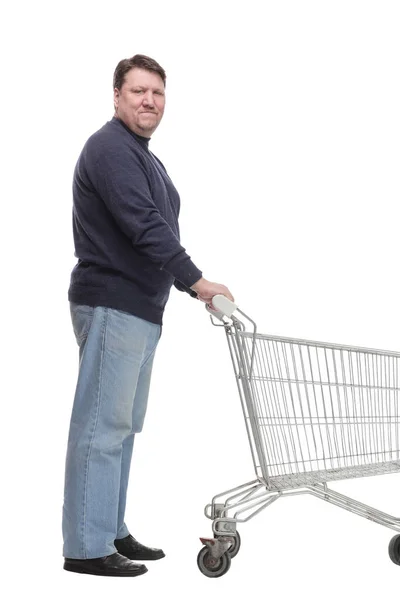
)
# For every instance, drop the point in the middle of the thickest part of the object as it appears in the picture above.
(224, 306)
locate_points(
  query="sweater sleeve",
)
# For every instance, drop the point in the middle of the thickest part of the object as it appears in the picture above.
(122, 182)
(182, 288)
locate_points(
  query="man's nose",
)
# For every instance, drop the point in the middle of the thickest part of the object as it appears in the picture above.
(148, 99)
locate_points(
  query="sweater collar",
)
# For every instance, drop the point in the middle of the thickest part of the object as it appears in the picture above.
(143, 141)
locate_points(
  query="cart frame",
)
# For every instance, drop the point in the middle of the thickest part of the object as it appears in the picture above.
(315, 412)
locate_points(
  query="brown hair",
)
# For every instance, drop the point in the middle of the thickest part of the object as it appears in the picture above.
(139, 61)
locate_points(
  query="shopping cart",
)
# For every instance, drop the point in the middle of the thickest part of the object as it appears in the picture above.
(314, 413)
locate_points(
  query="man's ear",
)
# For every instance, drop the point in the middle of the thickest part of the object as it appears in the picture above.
(116, 97)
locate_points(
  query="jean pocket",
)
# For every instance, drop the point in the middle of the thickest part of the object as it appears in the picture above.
(82, 317)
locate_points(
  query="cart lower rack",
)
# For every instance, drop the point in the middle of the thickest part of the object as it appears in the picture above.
(314, 413)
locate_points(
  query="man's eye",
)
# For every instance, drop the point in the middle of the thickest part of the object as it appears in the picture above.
(138, 91)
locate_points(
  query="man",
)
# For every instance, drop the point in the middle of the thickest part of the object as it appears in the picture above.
(125, 224)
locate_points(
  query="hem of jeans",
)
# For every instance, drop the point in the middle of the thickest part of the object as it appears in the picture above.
(90, 557)
(123, 536)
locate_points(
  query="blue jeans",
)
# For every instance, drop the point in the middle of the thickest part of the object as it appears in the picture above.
(116, 352)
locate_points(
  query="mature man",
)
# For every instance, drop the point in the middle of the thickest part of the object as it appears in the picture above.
(125, 224)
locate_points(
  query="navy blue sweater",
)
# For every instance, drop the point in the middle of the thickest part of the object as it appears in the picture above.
(125, 225)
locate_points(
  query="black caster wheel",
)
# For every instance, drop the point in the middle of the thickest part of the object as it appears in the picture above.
(394, 549)
(234, 549)
(213, 567)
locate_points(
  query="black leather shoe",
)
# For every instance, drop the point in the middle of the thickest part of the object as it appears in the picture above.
(134, 550)
(113, 565)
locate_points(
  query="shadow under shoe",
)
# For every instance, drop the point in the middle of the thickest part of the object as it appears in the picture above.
(114, 565)
(134, 550)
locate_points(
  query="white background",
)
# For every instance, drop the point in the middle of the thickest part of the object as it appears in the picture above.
(281, 133)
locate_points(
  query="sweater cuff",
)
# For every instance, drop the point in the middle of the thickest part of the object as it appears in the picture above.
(183, 269)
(182, 288)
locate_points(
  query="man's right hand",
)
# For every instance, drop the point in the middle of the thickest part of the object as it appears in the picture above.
(206, 290)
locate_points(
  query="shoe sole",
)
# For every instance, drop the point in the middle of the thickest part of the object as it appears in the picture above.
(79, 569)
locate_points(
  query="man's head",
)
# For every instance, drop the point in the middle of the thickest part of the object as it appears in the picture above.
(139, 93)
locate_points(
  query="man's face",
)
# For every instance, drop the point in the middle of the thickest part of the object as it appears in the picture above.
(140, 102)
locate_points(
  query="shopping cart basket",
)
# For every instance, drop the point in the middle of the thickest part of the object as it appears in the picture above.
(314, 413)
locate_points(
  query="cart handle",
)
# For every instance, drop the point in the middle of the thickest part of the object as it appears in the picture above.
(224, 306)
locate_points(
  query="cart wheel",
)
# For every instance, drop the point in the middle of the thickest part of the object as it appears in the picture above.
(234, 549)
(213, 567)
(394, 549)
